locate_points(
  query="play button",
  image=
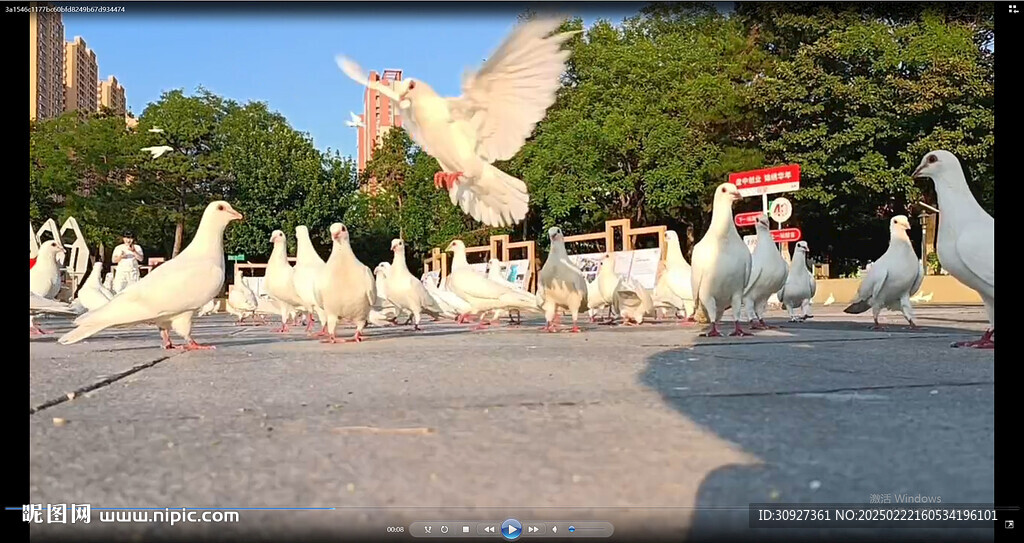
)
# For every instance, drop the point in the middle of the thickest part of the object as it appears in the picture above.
(511, 529)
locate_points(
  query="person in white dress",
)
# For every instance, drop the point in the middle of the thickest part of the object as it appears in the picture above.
(127, 258)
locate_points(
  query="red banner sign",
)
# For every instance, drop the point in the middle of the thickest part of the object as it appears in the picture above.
(747, 219)
(767, 181)
(786, 235)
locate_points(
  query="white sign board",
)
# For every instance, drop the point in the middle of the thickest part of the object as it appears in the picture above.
(641, 265)
(517, 272)
(255, 284)
(751, 242)
(780, 210)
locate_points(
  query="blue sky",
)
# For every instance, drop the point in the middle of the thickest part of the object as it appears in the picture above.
(285, 57)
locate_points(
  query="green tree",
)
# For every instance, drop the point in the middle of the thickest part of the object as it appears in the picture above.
(179, 184)
(857, 94)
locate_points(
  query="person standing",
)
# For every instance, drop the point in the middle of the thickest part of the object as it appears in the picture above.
(126, 257)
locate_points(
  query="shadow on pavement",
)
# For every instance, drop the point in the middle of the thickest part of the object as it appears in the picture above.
(836, 422)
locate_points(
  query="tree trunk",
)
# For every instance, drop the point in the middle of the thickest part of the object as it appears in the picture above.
(179, 234)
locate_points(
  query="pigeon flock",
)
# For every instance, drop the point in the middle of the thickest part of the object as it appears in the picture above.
(500, 105)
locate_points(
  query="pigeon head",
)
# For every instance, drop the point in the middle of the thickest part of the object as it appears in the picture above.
(726, 193)
(277, 236)
(339, 232)
(762, 222)
(494, 263)
(220, 212)
(936, 163)
(899, 222)
(555, 234)
(670, 235)
(411, 89)
(802, 246)
(382, 268)
(51, 247)
(455, 245)
(397, 244)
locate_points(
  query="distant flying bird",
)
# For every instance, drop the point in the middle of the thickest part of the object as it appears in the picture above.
(158, 151)
(355, 122)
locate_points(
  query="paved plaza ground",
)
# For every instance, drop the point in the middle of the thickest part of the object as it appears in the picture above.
(652, 428)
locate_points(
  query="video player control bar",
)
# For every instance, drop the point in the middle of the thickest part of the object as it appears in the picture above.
(511, 529)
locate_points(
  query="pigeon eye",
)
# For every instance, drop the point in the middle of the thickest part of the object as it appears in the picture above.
(932, 159)
(412, 85)
(723, 189)
(220, 208)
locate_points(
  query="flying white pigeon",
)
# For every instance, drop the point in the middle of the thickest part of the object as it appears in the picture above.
(673, 288)
(242, 301)
(892, 278)
(407, 292)
(565, 286)
(307, 268)
(721, 263)
(966, 237)
(356, 120)
(830, 300)
(280, 280)
(496, 113)
(91, 295)
(170, 295)
(800, 285)
(158, 151)
(768, 273)
(344, 287)
(38, 305)
(482, 294)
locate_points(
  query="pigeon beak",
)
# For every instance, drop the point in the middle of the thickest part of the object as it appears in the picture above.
(236, 215)
(917, 172)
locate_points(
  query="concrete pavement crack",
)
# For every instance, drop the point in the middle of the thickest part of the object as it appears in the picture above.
(98, 384)
(824, 391)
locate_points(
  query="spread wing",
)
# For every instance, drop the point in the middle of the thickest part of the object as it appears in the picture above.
(510, 94)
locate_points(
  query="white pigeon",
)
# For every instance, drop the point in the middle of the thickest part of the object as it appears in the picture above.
(721, 263)
(208, 308)
(608, 282)
(158, 151)
(673, 288)
(355, 120)
(344, 287)
(304, 276)
(633, 301)
(889, 282)
(565, 286)
(280, 280)
(170, 295)
(385, 313)
(496, 272)
(44, 277)
(830, 300)
(91, 295)
(38, 305)
(966, 236)
(482, 294)
(800, 285)
(768, 272)
(407, 292)
(496, 113)
(595, 302)
(108, 284)
(242, 300)
(451, 305)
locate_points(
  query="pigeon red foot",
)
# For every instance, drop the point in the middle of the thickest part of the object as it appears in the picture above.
(739, 332)
(986, 342)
